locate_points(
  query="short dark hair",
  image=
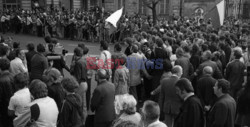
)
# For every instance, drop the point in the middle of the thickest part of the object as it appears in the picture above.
(38, 89)
(81, 45)
(78, 51)
(135, 48)
(167, 66)
(151, 110)
(16, 45)
(118, 47)
(104, 45)
(70, 84)
(224, 85)
(3, 50)
(21, 80)
(40, 48)
(17, 52)
(184, 84)
(85, 50)
(4, 64)
(47, 39)
(30, 47)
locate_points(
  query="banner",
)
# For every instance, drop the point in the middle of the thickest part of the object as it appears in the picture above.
(217, 14)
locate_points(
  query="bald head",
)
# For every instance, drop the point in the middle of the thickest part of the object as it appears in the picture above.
(177, 70)
(208, 70)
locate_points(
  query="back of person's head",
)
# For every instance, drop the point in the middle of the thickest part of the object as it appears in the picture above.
(167, 66)
(30, 47)
(129, 104)
(224, 85)
(85, 50)
(47, 39)
(70, 84)
(4, 64)
(208, 70)
(135, 48)
(151, 110)
(54, 41)
(102, 74)
(184, 84)
(159, 42)
(129, 41)
(3, 50)
(21, 80)
(104, 45)
(204, 47)
(177, 69)
(40, 48)
(81, 45)
(207, 55)
(51, 75)
(38, 89)
(195, 49)
(118, 47)
(237, 52)
(16, 45)
(179, 52)
(78, 51)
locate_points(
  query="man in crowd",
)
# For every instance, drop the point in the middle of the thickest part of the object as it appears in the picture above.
(38, 63)
(207, 56)
(205, 87)
(151, 114)
(6, 91)
(169, 100)
(222, 114)
(102, 101)
(235, 73)
(19, 64)
(191, 112)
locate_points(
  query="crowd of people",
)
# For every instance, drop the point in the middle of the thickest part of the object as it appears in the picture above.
(184, 73)
(65, 24)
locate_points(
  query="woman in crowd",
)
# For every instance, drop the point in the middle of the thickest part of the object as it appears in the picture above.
(127, 111)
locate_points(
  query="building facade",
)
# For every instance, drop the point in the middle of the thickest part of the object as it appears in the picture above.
(165, 8)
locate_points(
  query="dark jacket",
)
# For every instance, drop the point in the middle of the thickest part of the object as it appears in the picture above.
(217, 73)
(205, 90)
(170, 102)
(222, 114)
(191, 114)
(29, 56)
(38, 64)
(80, 70)
(6, 91)
(235, 73)
(102, 102)
(71, 114)
(187, 67)
(56, 92)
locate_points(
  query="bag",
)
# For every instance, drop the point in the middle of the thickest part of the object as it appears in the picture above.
(35, 112)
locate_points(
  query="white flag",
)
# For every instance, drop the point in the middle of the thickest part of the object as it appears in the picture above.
(115, 17)
(221, 11)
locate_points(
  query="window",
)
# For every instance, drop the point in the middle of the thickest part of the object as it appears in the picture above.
(164, 6)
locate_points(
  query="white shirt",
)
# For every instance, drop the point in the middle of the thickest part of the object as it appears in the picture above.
(104, 58)
(17, 66)
(189, 95)
(48, 112)
(3, 18)
(157, 124)
(19, 101)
